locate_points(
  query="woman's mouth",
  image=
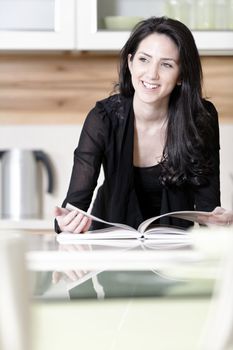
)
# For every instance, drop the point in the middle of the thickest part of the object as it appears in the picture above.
(150, 86)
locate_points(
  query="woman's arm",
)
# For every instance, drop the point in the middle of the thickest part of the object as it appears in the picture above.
(88, 157)
(207, 196)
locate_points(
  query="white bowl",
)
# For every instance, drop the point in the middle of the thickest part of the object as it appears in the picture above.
(121, 22)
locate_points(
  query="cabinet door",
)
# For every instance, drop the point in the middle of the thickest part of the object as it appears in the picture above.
(37, 24)
(106, 25)
(93, 32)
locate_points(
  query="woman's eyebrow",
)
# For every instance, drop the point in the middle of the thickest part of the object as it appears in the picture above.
(168, 59)
(162, 58)
(144, 53)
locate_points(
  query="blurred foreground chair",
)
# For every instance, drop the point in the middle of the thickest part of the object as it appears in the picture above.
(218, 333)
(14, 296)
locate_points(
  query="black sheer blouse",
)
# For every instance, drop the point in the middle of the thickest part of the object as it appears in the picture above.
(107, 140)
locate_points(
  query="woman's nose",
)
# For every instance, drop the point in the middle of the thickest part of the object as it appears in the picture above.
(153, 71)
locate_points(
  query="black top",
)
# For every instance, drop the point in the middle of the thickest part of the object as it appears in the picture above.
(107, 139)
(148, 190)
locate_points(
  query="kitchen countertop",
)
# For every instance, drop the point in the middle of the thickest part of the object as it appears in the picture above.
(27, 224)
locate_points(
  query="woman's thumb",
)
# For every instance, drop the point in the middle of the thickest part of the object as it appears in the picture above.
(57, 211)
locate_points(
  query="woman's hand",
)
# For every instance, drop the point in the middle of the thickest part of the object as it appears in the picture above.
(72, 221)
(75, 274)
(219, 216)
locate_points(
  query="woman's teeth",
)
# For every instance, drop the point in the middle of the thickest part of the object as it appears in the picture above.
(150, 86)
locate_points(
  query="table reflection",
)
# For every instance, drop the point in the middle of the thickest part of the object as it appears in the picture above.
(163, 276)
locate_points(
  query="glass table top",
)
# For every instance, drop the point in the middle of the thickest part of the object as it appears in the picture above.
(115, 288)
(116, 269)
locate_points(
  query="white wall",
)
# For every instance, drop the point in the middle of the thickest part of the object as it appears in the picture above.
(59, 141)
(226, 165)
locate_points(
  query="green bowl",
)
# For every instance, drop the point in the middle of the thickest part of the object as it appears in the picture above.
(121, 22)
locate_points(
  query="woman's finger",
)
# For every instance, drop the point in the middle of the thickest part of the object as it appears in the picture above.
(83, 223)
(56, 276)
(218, 211)
(67, 219)
(88, 225)
(60, 211)
(76, 225)
(71, 275)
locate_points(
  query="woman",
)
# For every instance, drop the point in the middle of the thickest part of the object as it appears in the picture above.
(157, 138)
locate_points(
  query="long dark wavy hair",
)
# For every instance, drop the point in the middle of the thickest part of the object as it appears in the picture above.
(186, 158)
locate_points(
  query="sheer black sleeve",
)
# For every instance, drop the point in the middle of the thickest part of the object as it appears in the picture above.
(88, 157)
(207, 197)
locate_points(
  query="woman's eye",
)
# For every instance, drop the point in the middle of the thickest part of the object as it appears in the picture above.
(143, 59)
(166, 65)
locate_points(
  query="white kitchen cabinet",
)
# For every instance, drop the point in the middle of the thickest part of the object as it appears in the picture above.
(91, 33)
(37, 24)
(79, 24)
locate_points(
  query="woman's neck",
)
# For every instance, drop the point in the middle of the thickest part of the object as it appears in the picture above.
(150, 114)
(150, 127)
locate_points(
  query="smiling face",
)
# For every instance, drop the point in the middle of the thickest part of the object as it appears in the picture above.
(154, 69)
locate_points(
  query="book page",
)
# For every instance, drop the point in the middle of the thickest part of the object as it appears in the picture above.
(123, 226)
(164, 230)
(65, 238)
(193, 216)
(126, 231)
(112, 237)
(111, 233)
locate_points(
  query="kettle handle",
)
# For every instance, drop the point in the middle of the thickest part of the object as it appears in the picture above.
(1, 153)
(42, 156)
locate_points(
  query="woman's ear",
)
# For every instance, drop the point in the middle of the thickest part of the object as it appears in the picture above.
(129, 61)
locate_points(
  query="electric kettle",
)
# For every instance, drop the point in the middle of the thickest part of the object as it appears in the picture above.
(21, 183)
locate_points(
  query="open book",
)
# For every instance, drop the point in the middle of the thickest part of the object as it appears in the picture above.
(144, 231)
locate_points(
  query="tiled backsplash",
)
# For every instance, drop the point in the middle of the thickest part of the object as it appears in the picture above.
(59, 142)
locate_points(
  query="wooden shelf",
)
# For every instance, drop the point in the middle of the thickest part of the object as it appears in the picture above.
(62, 88)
